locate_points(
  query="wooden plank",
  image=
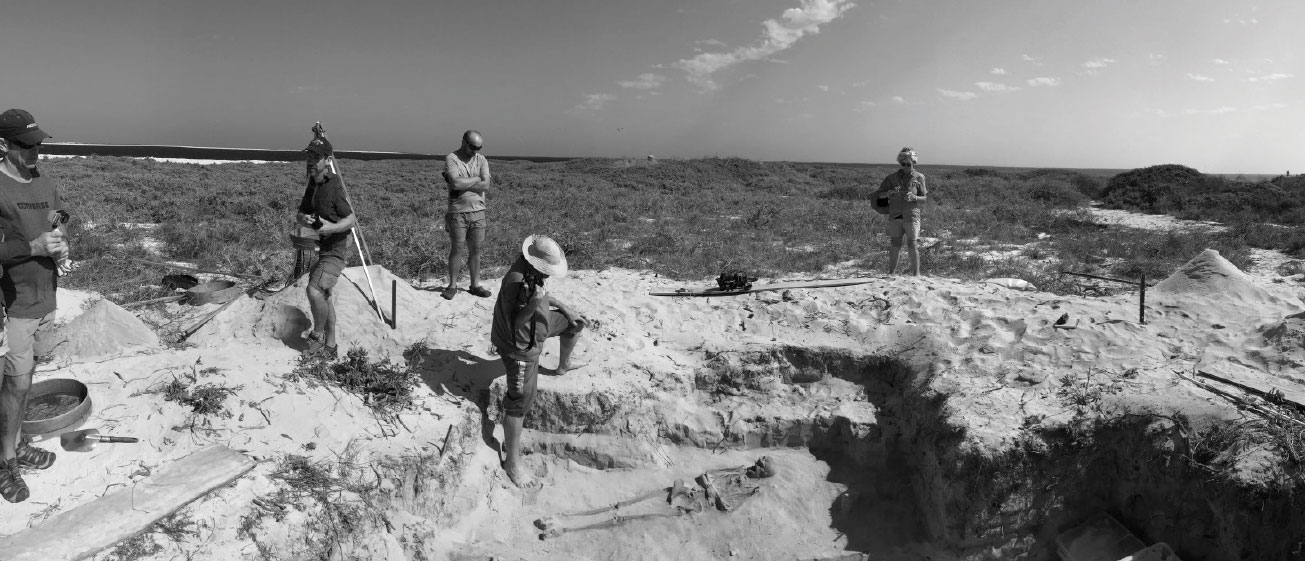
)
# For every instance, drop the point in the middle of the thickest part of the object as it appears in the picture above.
(89, 528)
(1260, 389)
(819, 283)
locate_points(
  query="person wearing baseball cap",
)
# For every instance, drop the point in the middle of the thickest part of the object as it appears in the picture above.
(29, 254)
(325, 209)
(905, 191)
(526, 315)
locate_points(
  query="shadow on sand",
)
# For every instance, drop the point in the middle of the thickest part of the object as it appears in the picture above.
(462, 374)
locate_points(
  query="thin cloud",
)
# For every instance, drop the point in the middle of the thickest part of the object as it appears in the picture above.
(897, 99)
(860, 84)
(998, 71)
(1199, 78)
(777, 36)
(1157, 59)
(1271, 107)
(823, 87)
(710, 43)
(1219, 61)
(593, 103)
(996, 87)
(646, 81)
(1030, 60)
(1269, 77)
(1043, 81)
(864, 106)
(1098, 63)
(960, 96)
(1216, 111)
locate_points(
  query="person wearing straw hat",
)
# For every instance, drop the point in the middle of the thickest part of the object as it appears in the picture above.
(905, 191)
(325, 209)
(526, 315)
(31, 254)
(466, 172)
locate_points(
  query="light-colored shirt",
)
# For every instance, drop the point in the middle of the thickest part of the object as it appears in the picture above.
(462, 200)
(897, 187)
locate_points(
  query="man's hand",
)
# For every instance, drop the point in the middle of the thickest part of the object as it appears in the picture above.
(305, 220)
(911, 197)
(49, 244)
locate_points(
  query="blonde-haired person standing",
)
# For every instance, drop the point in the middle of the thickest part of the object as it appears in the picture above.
(905, 191)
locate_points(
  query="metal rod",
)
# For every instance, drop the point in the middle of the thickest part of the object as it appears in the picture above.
(1141, 300)
(1096, 277)
(357, 239)
(394, 303)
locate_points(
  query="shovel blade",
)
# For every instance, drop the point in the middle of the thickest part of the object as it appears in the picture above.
(80, 440)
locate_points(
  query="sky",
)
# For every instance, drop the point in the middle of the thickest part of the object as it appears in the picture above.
(1214, 85)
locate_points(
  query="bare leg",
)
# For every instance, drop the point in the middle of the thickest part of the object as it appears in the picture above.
(457, 252)
(330, 320)
(475, 238)
(13, 399)
(894, 249)
(913, 249)
(567, 345)
(512, 443)
(321, 308)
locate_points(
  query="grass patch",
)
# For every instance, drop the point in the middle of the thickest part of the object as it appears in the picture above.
(685, 219)
(384, 387)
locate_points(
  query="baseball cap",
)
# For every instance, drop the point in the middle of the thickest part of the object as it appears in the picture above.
(321, 147)
(19, 125)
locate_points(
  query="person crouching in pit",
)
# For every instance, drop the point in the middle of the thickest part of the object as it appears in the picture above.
(525, 315)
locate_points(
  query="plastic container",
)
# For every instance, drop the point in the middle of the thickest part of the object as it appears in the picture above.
(54, 406)
(1101, 538)
(213, 292)
(1160, 551)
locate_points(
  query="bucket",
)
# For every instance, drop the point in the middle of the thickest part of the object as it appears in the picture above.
(213, 292)
(303, 238)
(55, 405)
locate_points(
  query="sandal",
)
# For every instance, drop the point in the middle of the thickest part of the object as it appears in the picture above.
(449, 292)
(479, 291)
(12, 486)
(36, 458)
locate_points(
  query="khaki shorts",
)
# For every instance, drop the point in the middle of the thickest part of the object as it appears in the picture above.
(326, 272)
(908, 228)
(459, 224)
(25, 338)
(523, 375)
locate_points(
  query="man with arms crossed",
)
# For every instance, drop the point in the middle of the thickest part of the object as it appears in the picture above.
(466, 171)
(905, 191)
(526, 315)
(28, 253)
(325, 209)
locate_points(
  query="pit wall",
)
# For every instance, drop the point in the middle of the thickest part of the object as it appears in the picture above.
(998, 505)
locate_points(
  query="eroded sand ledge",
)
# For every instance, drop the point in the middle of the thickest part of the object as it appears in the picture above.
(909, 416)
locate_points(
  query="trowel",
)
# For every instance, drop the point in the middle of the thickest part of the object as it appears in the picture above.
(85, 440)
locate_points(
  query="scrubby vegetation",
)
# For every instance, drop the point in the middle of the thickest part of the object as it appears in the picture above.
(688, 219)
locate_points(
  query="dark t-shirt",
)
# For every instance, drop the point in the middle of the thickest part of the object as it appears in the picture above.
(28, 283)
(327, 201)
(512, 300)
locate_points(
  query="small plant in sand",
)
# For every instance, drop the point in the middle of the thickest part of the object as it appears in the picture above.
(384, 387)
(177, 527)
(205, 399)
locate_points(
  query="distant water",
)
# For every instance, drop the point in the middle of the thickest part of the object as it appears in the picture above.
(236, 154)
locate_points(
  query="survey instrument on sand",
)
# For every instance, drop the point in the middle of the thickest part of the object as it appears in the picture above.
(1141, 294)
(85, 440)
(717, 291)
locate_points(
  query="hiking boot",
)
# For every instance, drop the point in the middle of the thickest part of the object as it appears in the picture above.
(327, 352)
(35, 458)
(449, 292)
(12, 486)
(479, 291)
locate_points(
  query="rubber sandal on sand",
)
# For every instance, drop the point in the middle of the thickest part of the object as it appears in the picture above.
(449, 292)
(36, 458)
(479, 291)
(12, 486)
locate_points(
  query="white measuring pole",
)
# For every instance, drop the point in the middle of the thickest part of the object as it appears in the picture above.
(357, 240)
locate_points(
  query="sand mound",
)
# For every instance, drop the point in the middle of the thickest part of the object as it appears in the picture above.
(285, 316)
(103, 331)
(1208, 274)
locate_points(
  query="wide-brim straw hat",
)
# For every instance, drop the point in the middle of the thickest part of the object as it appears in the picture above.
(544, 255)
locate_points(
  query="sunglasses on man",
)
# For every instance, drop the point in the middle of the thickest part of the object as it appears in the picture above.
(22, 145)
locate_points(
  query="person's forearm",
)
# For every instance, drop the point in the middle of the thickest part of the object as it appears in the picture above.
(345, 223)
(13, 249)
